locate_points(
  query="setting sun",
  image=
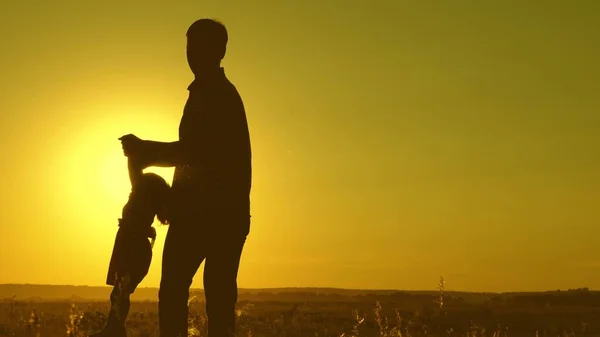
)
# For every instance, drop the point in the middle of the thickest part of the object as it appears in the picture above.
(91, 183)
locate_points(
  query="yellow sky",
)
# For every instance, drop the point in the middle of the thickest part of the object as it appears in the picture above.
(393, 141)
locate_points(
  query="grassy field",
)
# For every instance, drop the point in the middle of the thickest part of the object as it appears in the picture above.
(567, 313)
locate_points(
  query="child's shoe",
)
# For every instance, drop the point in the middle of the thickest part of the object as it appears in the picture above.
(113, 328)
(111, 332)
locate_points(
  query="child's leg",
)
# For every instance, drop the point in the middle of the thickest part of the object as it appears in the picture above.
(119, 309)
(120, 301)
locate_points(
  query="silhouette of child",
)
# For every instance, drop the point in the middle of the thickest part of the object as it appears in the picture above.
(132, 251)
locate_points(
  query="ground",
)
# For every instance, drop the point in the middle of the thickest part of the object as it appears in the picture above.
(567, 313)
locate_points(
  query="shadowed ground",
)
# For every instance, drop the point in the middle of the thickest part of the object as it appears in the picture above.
(333, 313)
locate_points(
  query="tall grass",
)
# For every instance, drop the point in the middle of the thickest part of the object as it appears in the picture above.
(441, 317)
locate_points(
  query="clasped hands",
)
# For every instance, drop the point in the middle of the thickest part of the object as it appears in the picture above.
(134, 148)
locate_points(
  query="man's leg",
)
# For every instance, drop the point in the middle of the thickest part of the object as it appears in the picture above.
(181, 259)
(220, 284)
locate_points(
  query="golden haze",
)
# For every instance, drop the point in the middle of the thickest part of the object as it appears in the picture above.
(393, 142)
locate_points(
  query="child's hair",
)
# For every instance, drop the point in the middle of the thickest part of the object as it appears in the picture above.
(158, 190)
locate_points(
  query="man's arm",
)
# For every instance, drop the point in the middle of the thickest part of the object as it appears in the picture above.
(212, 136)
(175, 153)
(190, 148)
(161, 154)
(151, 153)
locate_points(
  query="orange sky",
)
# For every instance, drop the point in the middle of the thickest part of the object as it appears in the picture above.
(393, 141)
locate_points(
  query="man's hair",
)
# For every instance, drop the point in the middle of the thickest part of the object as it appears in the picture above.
(211, 34)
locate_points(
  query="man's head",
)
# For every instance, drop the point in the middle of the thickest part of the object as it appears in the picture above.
(206, 44)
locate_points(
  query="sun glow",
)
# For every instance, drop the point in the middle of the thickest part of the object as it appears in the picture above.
(91, 181)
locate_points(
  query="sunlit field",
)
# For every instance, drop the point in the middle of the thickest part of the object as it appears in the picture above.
(335, 313)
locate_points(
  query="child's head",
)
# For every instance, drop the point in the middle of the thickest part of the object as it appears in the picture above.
(153, 191)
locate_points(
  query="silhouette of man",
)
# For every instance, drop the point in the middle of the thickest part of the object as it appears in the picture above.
(210, 209)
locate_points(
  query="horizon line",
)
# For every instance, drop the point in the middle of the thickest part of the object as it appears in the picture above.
(318, 288)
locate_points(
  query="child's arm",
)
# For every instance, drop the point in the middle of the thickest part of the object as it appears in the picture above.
(135, 171)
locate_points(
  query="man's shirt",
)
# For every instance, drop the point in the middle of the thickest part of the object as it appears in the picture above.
(215, 170)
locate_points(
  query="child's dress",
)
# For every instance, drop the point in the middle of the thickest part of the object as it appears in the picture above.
(132, 251)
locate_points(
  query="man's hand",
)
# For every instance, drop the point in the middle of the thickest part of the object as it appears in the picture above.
(132, 145)
(150, 153)
(136, 150)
